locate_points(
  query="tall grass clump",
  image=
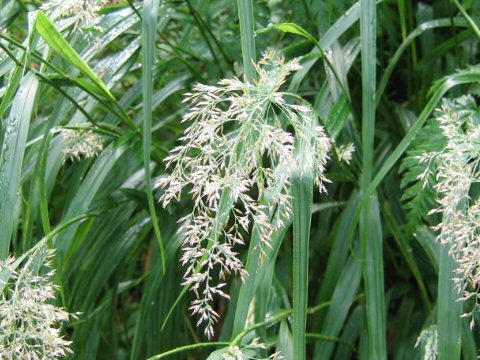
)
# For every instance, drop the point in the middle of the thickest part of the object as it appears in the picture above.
(159, 168)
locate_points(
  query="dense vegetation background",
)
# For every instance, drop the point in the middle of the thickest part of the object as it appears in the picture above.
(91, 103)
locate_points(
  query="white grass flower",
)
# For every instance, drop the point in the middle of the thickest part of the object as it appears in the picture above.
(345, 152)
(456, 172)
(245, 353)
(233, 353)
(29, 324)
(84, 12)
(237, 150)
(79, 144)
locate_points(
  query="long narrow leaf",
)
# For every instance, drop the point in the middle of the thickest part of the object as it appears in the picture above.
(302, 198)
(302, 193)
(370, 224)
(245, 15)
(449, 309)
(56, 41)
(372, 256)
(342, 299)
(150, 13)
(11, 157)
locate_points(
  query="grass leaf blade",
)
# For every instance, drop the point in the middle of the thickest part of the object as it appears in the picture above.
(370, 224)
(11, 157)
(150, 13)
(245, 15)
(449, 309)
(58, 44)
(302, 193)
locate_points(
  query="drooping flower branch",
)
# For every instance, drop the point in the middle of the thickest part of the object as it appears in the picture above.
(79, 144)
(451, 169)
(29, 324)
(239, 147)
(84, 12)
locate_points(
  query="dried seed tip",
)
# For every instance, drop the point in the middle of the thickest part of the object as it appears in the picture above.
(227, 174)
(81, 143)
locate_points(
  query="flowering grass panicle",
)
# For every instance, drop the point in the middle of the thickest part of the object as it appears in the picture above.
(235, 160)
(29, 324)
(84, 12)
(453, 172)
(345, 152)
(246, 352)
(79, 144)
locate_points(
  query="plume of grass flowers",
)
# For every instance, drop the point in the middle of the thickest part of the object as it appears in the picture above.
(453, 172)
(83, 12)
(246, 352)
(239, 147)
(79, 143)
(29, 324)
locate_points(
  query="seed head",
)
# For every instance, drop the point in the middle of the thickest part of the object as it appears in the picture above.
(81, 143)
(29, 324)
(84, 12)
(345, 152)
(452, 172)
(235, 160)
(236, 353)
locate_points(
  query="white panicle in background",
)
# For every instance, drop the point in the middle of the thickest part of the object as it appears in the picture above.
(456, 173)
(29, 324)
(81, 143)
(428, 343)
(345, 152)
(84, 12)
(237, 152)
(247, 352)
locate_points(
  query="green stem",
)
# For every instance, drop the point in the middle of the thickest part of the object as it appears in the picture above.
(187, 348)
(471, 22)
